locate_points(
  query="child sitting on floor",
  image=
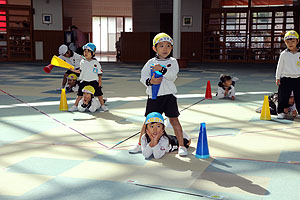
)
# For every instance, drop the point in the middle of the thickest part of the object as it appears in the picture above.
(88, 103)
(273, 104)
(72, 84)
(156, 142)
(226, 87)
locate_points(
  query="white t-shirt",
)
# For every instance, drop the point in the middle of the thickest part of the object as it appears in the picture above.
(74, 60)
(288, 65)
(90, 70)
(167, 85)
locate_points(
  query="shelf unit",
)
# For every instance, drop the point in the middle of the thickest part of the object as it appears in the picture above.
(16, 33)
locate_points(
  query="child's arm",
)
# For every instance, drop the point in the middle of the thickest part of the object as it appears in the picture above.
(161, 148)
(146, 75)
(95, 105)
(279, 68)
(100, 80)
(170, 73)
(146, 149)
(220, 93)
(81, 107)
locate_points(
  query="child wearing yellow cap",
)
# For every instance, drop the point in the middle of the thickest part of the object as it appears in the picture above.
(165, 102)
(73, 83)
(288, 73)
(88, 103)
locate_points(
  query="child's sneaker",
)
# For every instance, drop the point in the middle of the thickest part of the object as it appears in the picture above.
(280, 116)
(182, 151)
(136, 149)
(73, 108)
(104, 108)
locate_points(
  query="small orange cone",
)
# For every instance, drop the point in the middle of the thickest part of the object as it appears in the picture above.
(63, 106)
(208, 91)
(265, 111)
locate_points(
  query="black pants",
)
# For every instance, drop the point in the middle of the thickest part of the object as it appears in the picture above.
(287, 85)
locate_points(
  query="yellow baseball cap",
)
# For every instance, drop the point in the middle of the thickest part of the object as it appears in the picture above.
(291, 34)
(89, 89)
(162, 37)
(72, 77)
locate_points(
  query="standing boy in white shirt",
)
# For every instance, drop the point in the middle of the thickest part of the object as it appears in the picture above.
(288, 73)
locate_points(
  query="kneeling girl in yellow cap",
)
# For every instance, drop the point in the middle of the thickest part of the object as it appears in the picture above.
(73, 83)
(88, 103)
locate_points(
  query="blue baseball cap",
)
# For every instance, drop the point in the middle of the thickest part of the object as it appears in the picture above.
(154, 117)
(89, 46)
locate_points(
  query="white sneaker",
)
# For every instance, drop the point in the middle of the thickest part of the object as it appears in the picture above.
(104, 108)
(73, 108)
(182, 151)
(136, 149)
(280, 116)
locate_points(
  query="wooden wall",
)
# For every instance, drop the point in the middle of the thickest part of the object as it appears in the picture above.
(80, 12)
(191, 46)
(135, 46)
(112, 8)
(50, 46)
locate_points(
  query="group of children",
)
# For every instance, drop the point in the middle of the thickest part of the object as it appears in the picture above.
(153, 139)
(85, 78)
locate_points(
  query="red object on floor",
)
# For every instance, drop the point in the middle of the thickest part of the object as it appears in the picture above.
(208, 91)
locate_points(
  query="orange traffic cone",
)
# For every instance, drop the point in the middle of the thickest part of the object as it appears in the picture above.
(63, 106)
(208, 91)
(265, 111)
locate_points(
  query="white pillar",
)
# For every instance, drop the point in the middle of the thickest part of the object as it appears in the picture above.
(176, 28)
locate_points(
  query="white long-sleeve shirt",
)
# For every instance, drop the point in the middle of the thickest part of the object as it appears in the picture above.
(167, 85)
(221, 92)
(158, 150)
(95, 105)
(288, 65)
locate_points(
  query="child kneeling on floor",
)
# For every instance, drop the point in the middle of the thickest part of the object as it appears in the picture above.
(226, 87)
(289, 111)
(88, 103)
(156, 142)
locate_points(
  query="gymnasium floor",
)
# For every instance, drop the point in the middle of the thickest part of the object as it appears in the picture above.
(50, 154)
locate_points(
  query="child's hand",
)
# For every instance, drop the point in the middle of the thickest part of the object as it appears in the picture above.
(155, 80)
(294, 113)
(157, 67)
(277, 82)
(286, 110)
(233, 97)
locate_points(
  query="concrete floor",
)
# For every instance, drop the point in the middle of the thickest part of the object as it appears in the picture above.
(50, 154)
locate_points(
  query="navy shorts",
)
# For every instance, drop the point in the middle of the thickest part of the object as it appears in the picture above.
(163, 104)
(95, 84)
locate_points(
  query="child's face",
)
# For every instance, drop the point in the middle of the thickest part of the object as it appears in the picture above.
(87, 97)
(291, 100)
(68, 54)
(155, 130)
(163, 49)
(71, 82)
(87, 54)
(227, 83)
(291, 44)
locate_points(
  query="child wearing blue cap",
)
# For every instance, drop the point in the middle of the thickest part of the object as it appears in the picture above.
(156, 141)
(90, 74)
(288, 73)
(165, 100)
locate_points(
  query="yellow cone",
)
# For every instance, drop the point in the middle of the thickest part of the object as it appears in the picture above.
(265, 111)
(63, 106)
(56, 61)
